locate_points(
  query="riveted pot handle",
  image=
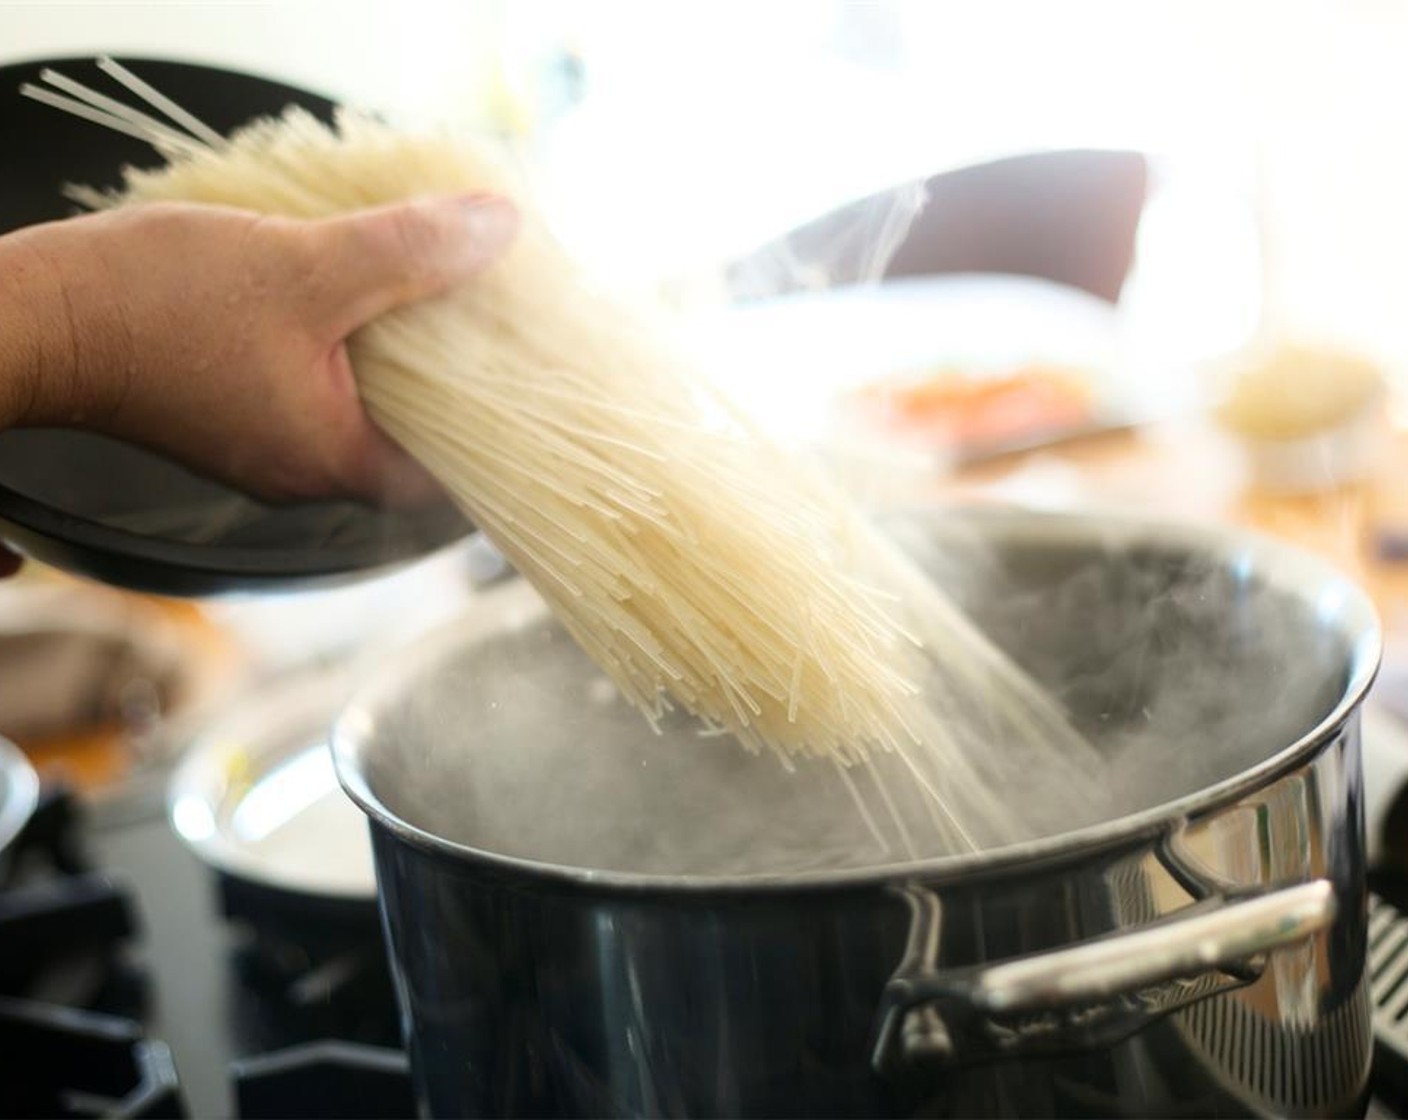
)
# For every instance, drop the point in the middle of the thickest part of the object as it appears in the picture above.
(1089, 993)
(1227, 937)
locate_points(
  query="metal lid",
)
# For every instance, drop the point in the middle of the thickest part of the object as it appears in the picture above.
(123, 515)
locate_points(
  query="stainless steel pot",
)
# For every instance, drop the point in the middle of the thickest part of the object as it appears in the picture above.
(1195, 947)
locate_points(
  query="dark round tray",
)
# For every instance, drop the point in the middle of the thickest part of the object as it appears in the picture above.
(121, 514)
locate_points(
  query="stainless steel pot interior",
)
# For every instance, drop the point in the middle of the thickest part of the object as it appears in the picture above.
(1199, 661)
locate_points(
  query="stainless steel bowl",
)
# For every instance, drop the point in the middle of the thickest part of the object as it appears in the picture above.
(255, 796)
(1193, 944)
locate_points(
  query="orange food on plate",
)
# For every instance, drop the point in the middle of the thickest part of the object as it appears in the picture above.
(966, 410)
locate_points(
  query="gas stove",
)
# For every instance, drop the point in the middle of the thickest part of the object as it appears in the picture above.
(135, 982)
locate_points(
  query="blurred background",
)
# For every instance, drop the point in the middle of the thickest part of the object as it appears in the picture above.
(668, 139)
(669, 136)
(1089, 254)
(1140, 256)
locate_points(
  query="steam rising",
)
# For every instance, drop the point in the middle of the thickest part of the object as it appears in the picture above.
(852, 246)
(1183, 667)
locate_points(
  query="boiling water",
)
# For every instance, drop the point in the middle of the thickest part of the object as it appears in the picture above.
(1183, 669)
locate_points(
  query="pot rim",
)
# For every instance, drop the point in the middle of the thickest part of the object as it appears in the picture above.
(1276, 563)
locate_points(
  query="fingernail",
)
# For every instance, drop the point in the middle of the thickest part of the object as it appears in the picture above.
(490, 221)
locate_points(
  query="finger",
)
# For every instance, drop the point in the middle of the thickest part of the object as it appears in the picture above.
(379, 259)
(394, 478)
(359, 459)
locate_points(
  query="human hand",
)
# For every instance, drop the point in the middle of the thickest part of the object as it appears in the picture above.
(216, 336)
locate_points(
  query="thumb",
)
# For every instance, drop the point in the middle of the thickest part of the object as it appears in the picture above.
(382, 258)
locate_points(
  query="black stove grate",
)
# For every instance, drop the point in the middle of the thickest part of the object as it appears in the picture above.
(300, 1021)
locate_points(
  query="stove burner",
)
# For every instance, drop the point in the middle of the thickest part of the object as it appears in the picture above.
(325, 1079)
(305, 969)
(49, 841)
(63, 926)
(82, 1064)
(58, 917)
(60, 941)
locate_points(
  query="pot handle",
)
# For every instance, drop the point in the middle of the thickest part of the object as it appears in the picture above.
(1088, 994)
